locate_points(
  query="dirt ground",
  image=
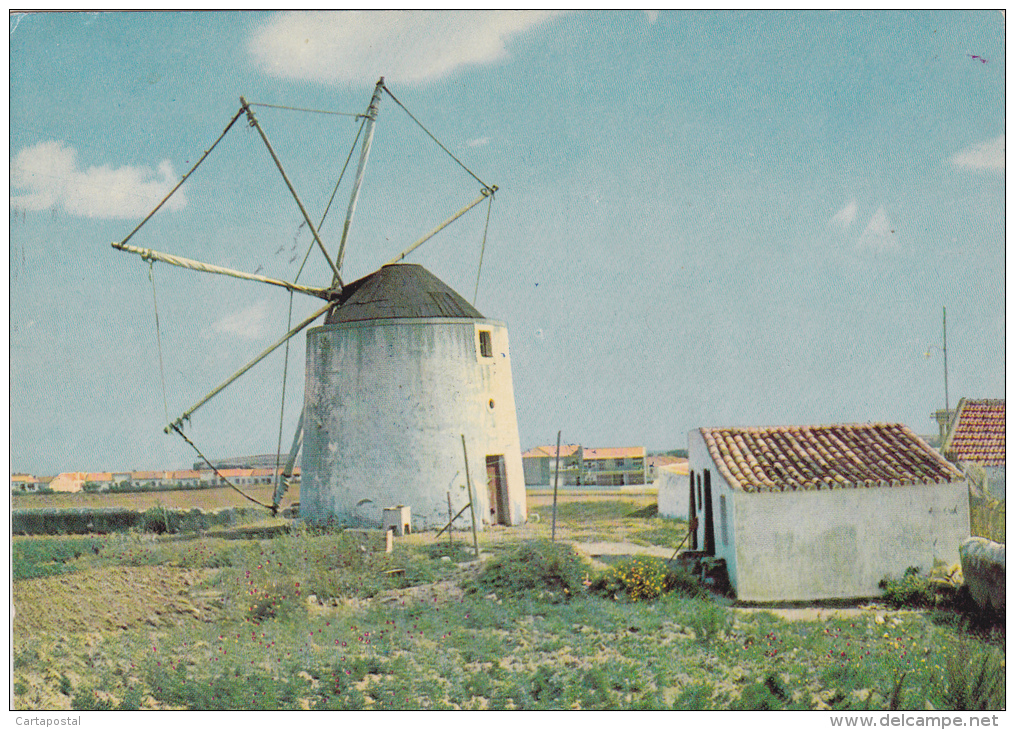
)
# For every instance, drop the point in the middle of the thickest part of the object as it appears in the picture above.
(109, 599)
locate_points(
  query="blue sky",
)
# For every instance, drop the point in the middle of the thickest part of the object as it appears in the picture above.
(704, 219)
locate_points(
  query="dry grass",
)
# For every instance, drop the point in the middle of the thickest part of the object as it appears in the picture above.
(206, 499)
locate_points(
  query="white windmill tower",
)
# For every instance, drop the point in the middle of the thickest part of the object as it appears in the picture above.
(405, 380)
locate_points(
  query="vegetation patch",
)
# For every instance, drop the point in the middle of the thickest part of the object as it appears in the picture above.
(532, 567)
(641, 578)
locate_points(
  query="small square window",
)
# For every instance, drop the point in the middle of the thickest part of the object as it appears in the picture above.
(485, 344)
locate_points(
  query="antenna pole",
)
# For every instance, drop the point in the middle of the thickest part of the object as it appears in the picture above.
(306, 217)
(944, 350)
(371, 117)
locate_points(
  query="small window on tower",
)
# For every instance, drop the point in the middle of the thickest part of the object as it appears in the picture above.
(485, 344)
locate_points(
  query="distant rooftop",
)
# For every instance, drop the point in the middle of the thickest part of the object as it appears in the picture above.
(977, 433)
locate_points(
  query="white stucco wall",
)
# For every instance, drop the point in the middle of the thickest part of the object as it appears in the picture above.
(387, 402)
(672, 492)
(812, 545)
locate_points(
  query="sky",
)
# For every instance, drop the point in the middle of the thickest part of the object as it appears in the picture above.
(702, 218)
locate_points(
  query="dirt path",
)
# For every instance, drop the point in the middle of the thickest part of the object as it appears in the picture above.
(597, 549)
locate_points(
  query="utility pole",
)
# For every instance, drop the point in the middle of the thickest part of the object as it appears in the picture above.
(944, 350)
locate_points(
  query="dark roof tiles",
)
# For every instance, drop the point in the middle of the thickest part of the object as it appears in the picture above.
(399, 291)
(790, 458)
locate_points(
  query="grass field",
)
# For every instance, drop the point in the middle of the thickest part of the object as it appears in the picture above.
(206, 499)
(329, 621)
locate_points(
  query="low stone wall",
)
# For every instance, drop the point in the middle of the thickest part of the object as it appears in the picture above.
(983, 571)
(119, 519)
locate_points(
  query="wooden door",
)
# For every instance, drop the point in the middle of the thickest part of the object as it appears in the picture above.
(496, 486)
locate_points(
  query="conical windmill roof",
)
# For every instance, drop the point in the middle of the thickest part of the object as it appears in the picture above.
(399, 291)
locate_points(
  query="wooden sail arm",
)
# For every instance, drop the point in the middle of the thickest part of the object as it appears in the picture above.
(486, 193)
(150, 255)
(282, 479)
(291, 333)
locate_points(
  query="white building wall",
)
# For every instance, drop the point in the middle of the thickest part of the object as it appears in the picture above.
(829, 544)
(840, 543)
(387, 402)
(672, 492)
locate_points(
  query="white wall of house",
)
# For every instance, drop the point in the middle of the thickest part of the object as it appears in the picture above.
(672, 492)
(839, 543)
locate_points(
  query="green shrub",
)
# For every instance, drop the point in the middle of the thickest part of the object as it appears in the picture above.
(645, 578)
(534, 566)
(639, 578)
(912, 590)
(159, 519)
(40, 557)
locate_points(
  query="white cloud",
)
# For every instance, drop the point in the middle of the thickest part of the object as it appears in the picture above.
(479, 142)
(878, 235)
(407, 46)
(846, 216)
(51, 178)
(246, 324)
(983, 156)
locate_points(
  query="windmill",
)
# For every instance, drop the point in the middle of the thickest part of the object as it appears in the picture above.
(405, 379)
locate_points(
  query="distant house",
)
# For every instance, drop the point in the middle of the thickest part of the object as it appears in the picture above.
(975, 438)
(585, 466)
(186, 477)
(613, 466)
(239, 477)
(149, 479)
(99, 481)
(671, 482)
(539, 465)
(822, 512)
(73, 481)
(654, 461)
(24, 483)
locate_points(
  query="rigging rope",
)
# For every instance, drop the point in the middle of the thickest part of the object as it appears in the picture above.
(300, 109)
(461, 164)
(204, 458)
(482, 250)
(184, 178)
(158, 337)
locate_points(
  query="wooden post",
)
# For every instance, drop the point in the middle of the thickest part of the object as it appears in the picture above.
(472, 508)
(451, 540)
(556, 479)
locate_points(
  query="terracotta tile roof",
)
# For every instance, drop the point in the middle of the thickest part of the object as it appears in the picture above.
(101, 476)
(186, 474)
(616, 452)
(231, 473)
(855, 455)
(551, 451)
(147, 475)
(977, 433)
(663, 460)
